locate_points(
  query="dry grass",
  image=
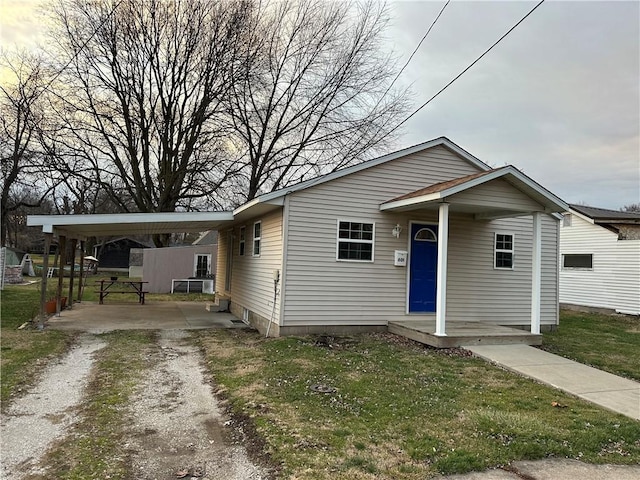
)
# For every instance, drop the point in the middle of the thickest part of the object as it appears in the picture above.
(399, 410)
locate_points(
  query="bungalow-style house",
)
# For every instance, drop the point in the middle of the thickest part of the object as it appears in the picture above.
(600, 259)
(427, 239)
(429, 233)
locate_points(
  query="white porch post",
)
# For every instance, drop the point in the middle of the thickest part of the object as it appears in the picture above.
(441, 289)
(536, 273)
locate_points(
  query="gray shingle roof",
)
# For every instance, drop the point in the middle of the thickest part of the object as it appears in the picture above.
(603, 214)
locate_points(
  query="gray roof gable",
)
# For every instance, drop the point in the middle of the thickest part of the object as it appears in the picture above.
(275, 197)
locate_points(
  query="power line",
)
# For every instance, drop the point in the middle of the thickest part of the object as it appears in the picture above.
(83, 46)
(395, 79)
(463, 71)
(414, 52)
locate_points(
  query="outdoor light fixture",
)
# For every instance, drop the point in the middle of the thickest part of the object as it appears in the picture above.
(396, 231)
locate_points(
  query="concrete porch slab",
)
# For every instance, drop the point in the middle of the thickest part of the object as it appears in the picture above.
(95, 318)
(462, 333)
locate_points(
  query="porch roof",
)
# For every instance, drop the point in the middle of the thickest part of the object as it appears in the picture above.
(430, 197)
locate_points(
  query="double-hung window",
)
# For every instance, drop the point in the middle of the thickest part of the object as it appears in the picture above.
(503, 251)
(355, 241)
(257, 237)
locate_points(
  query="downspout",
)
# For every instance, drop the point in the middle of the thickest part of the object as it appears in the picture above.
(282, 273)
(276, 280)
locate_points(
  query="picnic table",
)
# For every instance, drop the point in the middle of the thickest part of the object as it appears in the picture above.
(108, 286)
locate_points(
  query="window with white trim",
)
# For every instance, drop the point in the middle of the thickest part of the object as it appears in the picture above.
(355, 241)
(503, 251)
(202, 265)
(241, 241)
(579, 261)
(257, 237)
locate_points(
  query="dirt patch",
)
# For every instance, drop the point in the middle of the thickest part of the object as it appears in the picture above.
(178, 429)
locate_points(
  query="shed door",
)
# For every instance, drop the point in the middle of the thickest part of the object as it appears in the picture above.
(423, 268)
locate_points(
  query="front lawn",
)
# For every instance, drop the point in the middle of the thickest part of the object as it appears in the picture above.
(607, 342)
(376, 406)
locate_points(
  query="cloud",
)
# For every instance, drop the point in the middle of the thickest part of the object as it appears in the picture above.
(559, 97)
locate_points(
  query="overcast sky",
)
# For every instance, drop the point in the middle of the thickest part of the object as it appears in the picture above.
(558, 98)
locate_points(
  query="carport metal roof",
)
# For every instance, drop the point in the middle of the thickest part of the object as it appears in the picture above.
(83, 226)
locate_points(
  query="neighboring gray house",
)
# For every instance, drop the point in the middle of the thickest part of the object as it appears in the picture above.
(600, 259)
(426, 233)
(171, 268)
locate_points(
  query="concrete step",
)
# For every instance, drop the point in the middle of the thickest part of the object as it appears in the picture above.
(220, 305)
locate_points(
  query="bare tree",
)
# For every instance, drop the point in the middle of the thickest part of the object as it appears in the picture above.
(177, 104)
(26, 173)
(314, 94)
(631, 208)
(142, 97)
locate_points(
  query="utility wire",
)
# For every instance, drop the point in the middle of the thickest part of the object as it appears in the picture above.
(395, 79)
(83, 46)
(463, 71)
(413, 53)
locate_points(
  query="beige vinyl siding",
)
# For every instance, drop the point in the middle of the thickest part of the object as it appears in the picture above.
(221, 263)
(495, 191)
(323, 291)
(614, 280)
(478, 292)
(252, 284)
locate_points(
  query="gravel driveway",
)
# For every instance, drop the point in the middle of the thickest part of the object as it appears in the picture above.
(177, 428)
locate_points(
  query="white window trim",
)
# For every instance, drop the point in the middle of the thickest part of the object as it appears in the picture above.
(195, 263)
(576, 269)
(372, 241)
(497, 250)
(242, 244)
(257, 239)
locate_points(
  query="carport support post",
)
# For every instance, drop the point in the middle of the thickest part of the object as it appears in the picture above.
(74, 244)
(536, 272)
(80, 280)
(43, 283)
(441, 284)
(63, 253)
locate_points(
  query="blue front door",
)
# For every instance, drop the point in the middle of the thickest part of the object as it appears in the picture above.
(423, 267)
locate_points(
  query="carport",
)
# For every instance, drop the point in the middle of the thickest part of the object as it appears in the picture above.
(77, 228)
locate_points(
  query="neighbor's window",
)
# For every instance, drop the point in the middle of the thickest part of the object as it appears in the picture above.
(503, 252)
(577, 260)
(257, 236)
(355, 241)
(241, 241)
(566, 220)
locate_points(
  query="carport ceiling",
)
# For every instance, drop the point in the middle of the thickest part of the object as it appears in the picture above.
(83, 226)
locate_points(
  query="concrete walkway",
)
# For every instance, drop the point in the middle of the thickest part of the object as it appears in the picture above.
(553, 469)
(609, 391)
